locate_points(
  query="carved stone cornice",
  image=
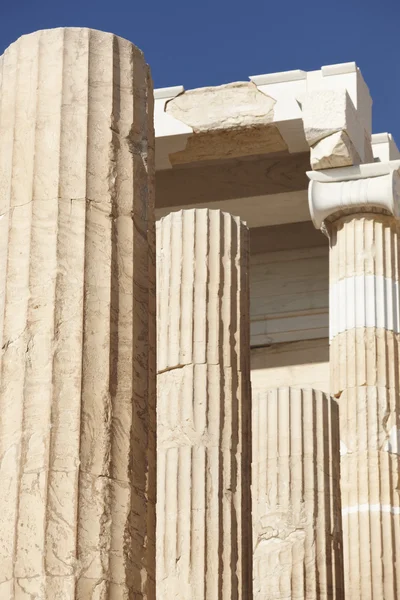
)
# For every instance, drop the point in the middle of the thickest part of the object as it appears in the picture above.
(364, 188)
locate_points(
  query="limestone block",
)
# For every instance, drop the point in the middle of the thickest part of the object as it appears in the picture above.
(228, 120)
(335, 150)
(326, 112)
(77, 319)
(364, 280)
(330, 116)
(204, 408)
(238, 104)
(296, 496)
(301, 364)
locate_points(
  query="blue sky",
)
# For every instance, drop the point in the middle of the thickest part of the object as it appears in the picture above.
(213, 42)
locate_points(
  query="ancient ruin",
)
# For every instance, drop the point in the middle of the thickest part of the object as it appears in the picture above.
(77, 396)
(258, 458)
(203, 406)
(297, 535)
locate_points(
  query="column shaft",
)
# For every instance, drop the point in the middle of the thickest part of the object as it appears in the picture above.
(364, 324)
(296, 496)
(77, 405)
(204, 408)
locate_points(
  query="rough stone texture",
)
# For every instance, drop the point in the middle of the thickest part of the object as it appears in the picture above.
(296, 496)
(77, 319)
(204, 408)
(333, 130)
(365, 379)
(336, 150)
(227, 121)
(238, 104)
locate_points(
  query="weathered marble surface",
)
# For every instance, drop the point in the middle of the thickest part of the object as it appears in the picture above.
(204, 407)
(365, 338)
(334, 130)
(229, 120)
(77, 319)
(297, 534)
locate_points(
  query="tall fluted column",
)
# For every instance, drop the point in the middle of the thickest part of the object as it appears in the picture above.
(77, 406)
(364, 332)
(364, 296)
(297, 533)
(204, 407)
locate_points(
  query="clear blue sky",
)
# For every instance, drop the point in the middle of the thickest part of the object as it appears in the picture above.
(205, 42)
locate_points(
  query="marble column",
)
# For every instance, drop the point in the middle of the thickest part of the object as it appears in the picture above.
(204, 407)
(77, 322)
(359, 207)
(297, 534)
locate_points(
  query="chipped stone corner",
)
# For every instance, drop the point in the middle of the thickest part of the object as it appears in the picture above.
(334, 131)
(336, 150)
(392, 444)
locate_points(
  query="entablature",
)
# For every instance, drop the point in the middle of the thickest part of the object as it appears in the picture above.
(325, 112)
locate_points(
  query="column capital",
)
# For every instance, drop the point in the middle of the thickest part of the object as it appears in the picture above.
(354, 189)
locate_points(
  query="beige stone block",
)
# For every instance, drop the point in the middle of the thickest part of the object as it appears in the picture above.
(204, 407)
(227, 121)
(296, 496)
(302, 364)
(364, 356)
(333, 129)
(202, 276)
(335, 150)
(223, 107)
(326, 112)
(77, 319)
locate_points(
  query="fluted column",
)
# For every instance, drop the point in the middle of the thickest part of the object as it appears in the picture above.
(77, 405)
(297, 535)
(203, 416)
(364, 355)
(364, 296)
